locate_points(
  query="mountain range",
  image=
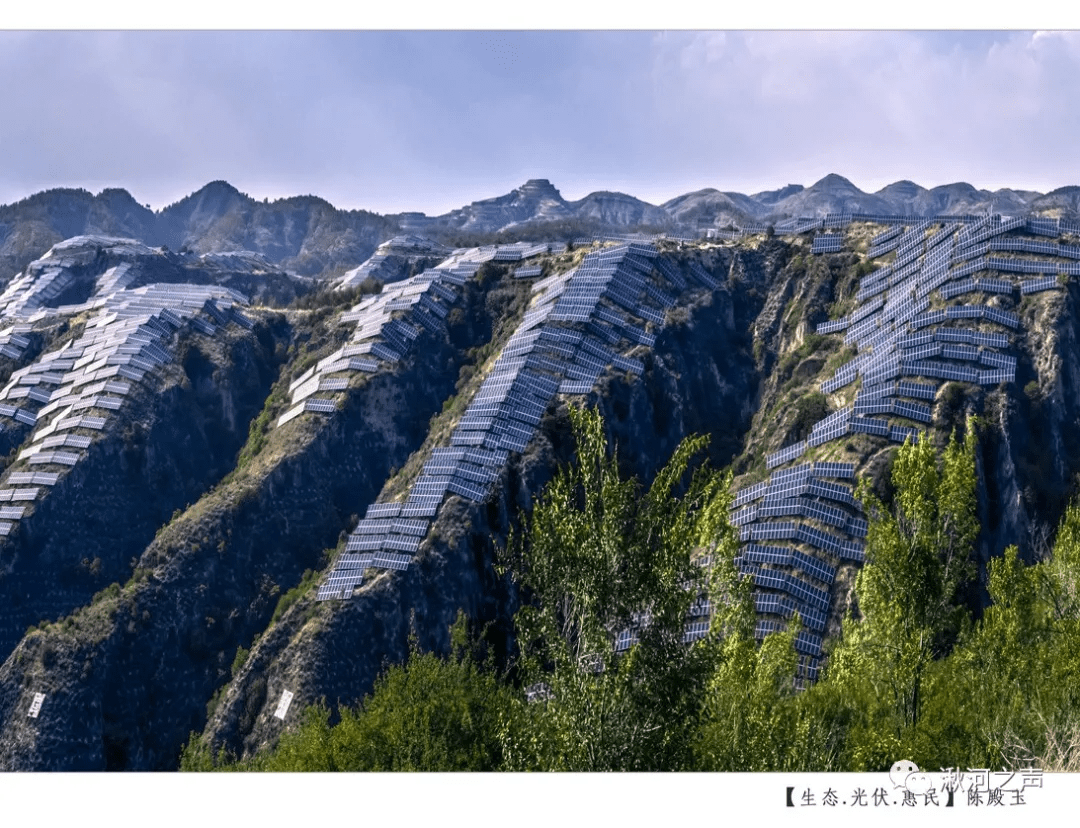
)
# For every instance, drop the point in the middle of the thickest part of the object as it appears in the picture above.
(308, 236)
(226, 488)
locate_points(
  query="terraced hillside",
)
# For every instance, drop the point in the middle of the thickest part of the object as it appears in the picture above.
(221, 504)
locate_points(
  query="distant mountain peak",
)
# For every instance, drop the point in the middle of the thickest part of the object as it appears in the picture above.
(220, 184)
(834, 182)
(538, 184)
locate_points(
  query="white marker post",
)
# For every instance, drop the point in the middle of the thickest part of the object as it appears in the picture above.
(35, 705)
(283, 705)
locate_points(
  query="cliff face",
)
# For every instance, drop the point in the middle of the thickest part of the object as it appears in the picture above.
(239, 476)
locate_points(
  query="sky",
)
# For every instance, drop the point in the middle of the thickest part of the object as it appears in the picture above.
(395, 120)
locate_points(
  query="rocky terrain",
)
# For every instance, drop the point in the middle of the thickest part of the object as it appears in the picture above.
(307, 236)
(230, 491)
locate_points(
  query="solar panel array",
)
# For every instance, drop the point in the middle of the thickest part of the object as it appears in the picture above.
(68, 396)
(901, 341)
(383, 263)
(578, 327)
(386, 326)
(838, 221)
(828, 243)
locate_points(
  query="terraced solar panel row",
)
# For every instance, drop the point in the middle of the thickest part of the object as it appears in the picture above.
(1043, 227)
(758, 553)
(750, 493)
(785, 455)
(997, 360)
(512, 399)
(1015, 245)
(996, 376)
(833, 325)
(1036, 285)
(1031, 266)
(828, 243)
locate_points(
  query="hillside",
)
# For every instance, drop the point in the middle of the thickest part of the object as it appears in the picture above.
(222, 487)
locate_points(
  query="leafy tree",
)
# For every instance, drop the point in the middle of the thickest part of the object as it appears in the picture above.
(918, 555)
(751, 699)
(599, 558)
(1021, 664)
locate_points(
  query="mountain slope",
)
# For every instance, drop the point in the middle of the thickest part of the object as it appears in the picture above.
(392, 439)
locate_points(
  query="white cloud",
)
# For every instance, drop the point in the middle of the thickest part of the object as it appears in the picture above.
(430, 120)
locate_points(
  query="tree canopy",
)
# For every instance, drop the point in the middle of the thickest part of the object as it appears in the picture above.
(612, 674)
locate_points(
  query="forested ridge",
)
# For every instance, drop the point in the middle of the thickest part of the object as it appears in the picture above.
(608, 572)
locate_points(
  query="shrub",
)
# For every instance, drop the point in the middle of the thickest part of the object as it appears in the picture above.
(308, 581)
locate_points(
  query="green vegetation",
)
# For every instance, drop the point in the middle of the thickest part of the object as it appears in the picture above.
(597, 556)
(260, 426)
(307, 583)
(330, 297)
(913, 676)
(429, 714)
(239, 660)
(809, 409)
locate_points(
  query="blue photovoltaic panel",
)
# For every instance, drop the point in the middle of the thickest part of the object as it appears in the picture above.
(807, 643)
(750, 493)
(840, 470)
(785, 455)
(1036, 285)
(919, 390)
(833, 325)
(744, 516)
(757, 553)
(814, 567)
(998, 360)
(832, 491)
(782, 530)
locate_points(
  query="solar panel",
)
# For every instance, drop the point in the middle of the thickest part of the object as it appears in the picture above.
(783, 530)
(831, 491)
(857, 527)
(833, 325)
(756, 553)
(923, 391)
(828, 469)
(745, 516)
(1036, 285)
(750, 493)
(402, 543)
(961, 352)
(390, 560)
(900, 434)
(814, 597)
(808, 643)
(814, 567)
(799, 473)
(785, 455)
(997, 376)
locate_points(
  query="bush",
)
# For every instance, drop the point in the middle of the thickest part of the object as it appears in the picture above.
(808, 410)
(308, 581)
(239, 660)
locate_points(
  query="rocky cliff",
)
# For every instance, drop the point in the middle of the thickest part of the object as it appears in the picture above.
(270, 502)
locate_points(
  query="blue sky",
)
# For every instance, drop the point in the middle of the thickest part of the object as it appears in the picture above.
(431, 120)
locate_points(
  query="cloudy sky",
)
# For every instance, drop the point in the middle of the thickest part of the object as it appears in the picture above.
(431, 120)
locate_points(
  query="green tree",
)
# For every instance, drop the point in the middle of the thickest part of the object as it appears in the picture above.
(918, 555)
(600, 557)
(429, 714)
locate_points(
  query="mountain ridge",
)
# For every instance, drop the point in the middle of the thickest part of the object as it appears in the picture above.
(311, 237)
